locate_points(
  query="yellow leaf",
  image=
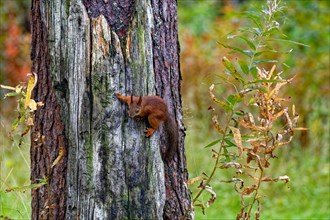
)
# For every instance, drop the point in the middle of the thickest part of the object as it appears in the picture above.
(29, 122)
(18, 89)
(41, 183)
(217, 124)
(271, 72)
(293, 110)
(300, 129)
(213, 96)
(7, 87)
(195, 179)
(31, 84)
(202, 207)
(237, 139)
(32, 105)
(59, 157)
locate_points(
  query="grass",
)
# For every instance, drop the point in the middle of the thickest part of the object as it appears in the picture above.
(15, 172)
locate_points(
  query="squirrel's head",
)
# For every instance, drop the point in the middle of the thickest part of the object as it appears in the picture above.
(134, 109)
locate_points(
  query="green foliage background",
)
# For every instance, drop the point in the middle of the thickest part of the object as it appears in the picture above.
(201, 24)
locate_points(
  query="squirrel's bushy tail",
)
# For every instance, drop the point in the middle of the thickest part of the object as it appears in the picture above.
(171, 128)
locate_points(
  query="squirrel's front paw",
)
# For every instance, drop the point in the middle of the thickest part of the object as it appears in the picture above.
(149, 132)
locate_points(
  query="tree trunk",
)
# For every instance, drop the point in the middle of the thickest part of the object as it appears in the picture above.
(84, 51)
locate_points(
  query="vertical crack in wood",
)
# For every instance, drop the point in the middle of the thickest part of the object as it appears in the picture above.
(91, 105)
(48, 135)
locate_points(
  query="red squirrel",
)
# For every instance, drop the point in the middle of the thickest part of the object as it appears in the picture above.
(155, 109)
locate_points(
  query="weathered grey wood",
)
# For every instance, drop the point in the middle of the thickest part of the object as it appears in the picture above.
(84, 52)
(167, 81)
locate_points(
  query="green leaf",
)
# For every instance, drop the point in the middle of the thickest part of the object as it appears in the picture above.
(250, 52)
(231, 99)
(257, 31)
(250, 43)
(252, 101)
(235, 49)
(254, 72)
(255, 17)
(229, 143)
(231, 68)
(265, 80)
(271, 31)
(264, 51)
(244, 66)
(22, 119)
(239, 98)
(14, 124)
(289, 41)
(286, 65)
(225, 151)
(212, 143)
(10, 94)
(239, 113)
(264, 61)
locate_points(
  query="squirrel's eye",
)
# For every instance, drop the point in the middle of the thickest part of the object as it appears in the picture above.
(137, 110)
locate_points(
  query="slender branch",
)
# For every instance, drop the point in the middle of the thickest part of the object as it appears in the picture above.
(261, 170)
(256, 193)
(217, 160)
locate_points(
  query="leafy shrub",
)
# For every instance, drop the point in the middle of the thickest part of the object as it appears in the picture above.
(255, 84)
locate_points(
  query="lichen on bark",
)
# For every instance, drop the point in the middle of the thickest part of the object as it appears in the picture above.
(84, 52)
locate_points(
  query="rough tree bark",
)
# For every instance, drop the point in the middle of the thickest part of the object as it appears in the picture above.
(84, 51)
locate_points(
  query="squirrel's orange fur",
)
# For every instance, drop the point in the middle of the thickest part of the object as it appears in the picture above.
(155, 109)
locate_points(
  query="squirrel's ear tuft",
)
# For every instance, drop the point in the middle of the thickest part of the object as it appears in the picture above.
(131, 98)
(140, 100)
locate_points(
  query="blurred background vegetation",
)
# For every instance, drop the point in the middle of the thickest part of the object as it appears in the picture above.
(15, 39)
(201, 24)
